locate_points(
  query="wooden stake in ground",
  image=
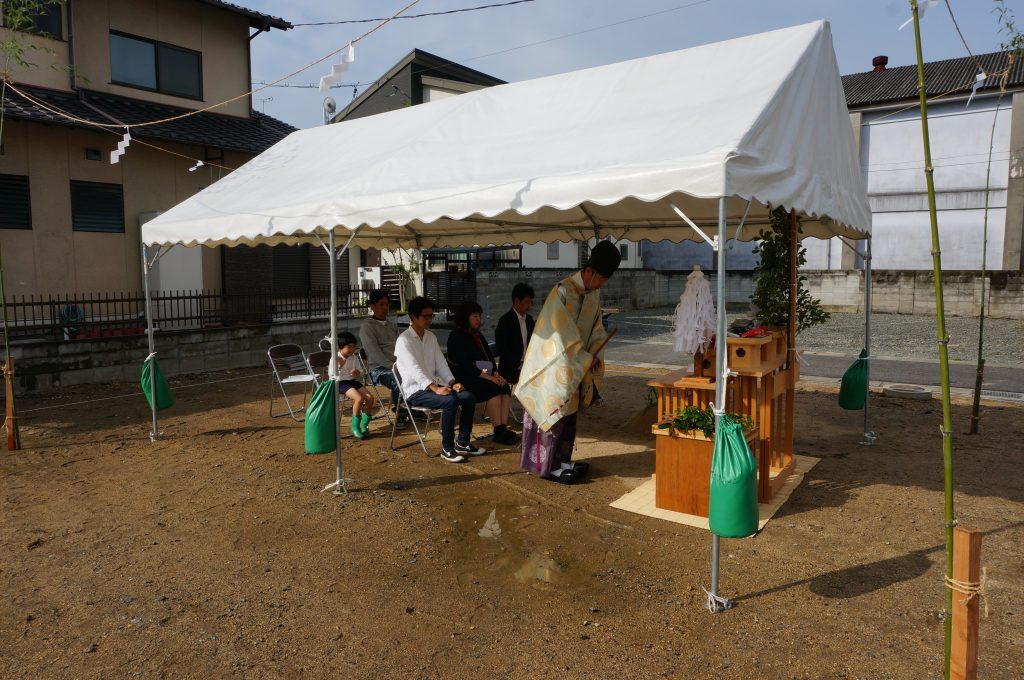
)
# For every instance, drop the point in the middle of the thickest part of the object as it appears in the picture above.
(11, 423)
(966, 586)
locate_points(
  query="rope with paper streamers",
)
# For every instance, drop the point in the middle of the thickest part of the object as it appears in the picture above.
(115, 156)
(349, 46)
(971, 589)
(695, 315)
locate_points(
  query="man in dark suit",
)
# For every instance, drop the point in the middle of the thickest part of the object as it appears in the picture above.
(513, 332)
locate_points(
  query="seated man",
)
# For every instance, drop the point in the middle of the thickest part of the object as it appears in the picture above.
(427, 381)
(513, 332)
(377, 337)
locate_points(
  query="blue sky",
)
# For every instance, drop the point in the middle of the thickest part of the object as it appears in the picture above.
(861, 29)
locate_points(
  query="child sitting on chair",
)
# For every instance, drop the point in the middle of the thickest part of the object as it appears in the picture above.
(349, 385)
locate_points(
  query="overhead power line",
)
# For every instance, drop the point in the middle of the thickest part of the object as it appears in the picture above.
(415, 16)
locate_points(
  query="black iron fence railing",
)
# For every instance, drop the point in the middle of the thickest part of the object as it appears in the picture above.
(95, 315)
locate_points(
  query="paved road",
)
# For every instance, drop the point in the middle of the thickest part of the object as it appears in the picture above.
(997, 378)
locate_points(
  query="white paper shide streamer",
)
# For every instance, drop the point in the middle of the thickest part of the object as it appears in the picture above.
(695, 315)
(348, 55)
(922, 7)
(122, 146)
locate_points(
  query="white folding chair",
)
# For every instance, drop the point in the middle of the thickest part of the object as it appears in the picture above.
(404, 403)
(289, 366)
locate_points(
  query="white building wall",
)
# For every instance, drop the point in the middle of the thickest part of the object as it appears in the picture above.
(535, 256)
(892, 161)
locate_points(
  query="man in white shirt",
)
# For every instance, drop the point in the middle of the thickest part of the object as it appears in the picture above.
(427, 381)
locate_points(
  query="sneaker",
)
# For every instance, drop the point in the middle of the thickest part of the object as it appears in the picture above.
(452, 456)
(469, 449)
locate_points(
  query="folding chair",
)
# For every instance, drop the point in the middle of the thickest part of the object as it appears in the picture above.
(289, 367)
(404, 403)
(318, 364)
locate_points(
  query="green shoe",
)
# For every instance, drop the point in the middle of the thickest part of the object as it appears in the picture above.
(364, 422)
(357, 431)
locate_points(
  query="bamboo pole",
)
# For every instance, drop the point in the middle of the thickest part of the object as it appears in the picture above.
(966, 608)
(979, 376)
(942, 338)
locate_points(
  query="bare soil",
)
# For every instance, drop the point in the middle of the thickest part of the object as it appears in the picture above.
(213, 553)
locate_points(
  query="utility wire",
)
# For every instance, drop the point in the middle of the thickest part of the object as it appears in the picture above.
(575, 33)
(949, 8)
(415, 16)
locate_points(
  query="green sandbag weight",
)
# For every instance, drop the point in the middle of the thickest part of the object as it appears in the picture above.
(321, 426)
(164, 398)
(854, 388)
(732, 510)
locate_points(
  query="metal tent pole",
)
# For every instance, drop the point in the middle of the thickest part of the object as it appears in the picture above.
(151, 359)
(339, 482)
(869, 436)
(715, 603)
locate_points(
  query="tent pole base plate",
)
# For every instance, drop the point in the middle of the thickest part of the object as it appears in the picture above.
(869, 439)
(339, 486)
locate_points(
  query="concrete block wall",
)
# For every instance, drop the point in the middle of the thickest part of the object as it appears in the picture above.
(43, 365)
(628, 289)
(913, 292)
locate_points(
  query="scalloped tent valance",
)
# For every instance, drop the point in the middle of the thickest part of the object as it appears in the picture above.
(600, 151)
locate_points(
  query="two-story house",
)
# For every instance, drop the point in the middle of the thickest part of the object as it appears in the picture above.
(69, 218)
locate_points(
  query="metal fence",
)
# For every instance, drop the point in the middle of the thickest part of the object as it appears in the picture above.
(95, 315)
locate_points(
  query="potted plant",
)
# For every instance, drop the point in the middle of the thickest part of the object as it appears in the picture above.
(683, 451)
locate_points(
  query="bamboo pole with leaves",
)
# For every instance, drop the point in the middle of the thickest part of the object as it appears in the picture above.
(942, 339)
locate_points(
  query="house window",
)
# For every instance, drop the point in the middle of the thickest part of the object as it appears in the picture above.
(15, 211)
(151, 65)
(553, 250)
(624, 250)
(97, 207)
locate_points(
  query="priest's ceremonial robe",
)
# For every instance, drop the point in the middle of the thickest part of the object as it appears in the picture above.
(556, 380)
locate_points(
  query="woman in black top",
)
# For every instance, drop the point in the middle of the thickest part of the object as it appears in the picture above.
(474, 366)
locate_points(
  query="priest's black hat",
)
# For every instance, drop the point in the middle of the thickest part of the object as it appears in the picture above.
(604, 258)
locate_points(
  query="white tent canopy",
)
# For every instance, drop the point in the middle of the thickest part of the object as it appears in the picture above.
(600, 151)
(715, 130)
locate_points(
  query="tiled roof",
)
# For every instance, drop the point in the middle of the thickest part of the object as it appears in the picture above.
(248, 135)
(940, 77)
(256, 19)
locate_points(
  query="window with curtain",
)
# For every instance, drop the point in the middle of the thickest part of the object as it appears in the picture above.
(151, 65)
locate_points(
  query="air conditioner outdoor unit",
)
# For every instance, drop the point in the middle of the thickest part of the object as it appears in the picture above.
(369, 277)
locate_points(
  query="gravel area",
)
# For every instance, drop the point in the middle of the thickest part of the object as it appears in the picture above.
(896, 336)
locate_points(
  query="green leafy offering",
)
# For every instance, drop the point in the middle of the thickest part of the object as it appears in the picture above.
(703, 419)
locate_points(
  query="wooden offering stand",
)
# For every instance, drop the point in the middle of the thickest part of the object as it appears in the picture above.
(762, 390)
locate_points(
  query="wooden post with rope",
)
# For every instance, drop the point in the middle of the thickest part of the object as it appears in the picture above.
(968, 586)
(11, 423)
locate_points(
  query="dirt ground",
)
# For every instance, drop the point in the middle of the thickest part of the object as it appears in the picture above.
(213, 553)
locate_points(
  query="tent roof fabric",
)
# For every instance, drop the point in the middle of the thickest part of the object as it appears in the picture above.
(604, 151)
